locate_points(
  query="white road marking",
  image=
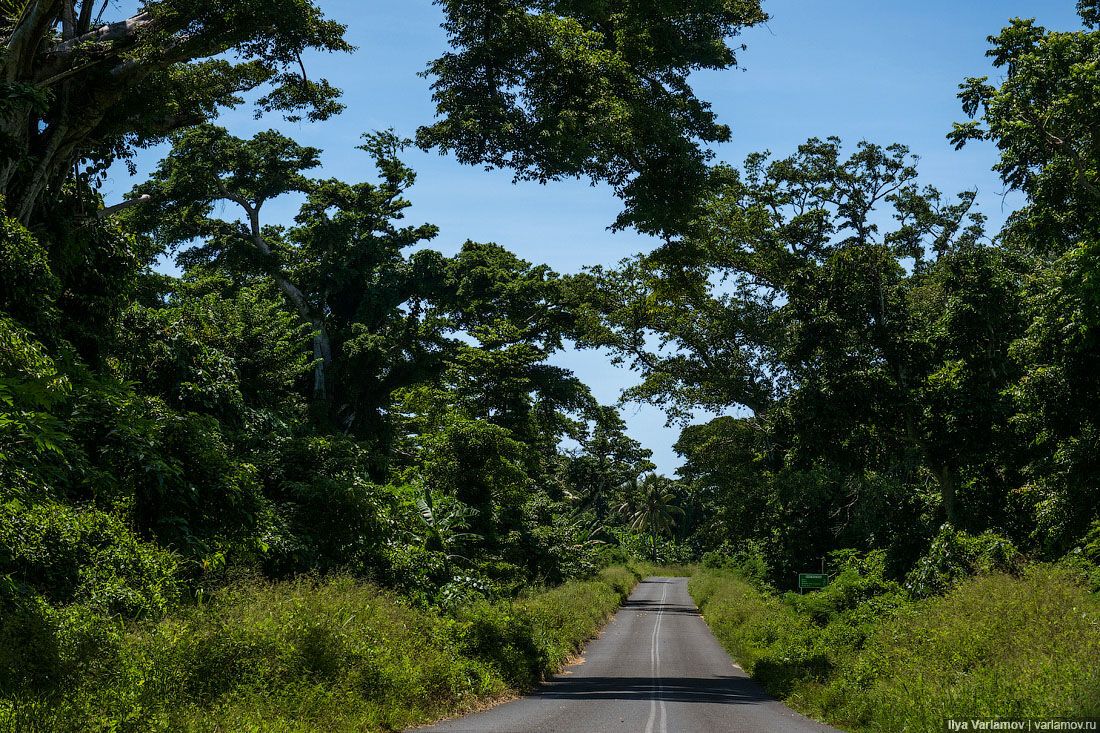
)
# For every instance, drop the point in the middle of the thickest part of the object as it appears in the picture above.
(656, 704)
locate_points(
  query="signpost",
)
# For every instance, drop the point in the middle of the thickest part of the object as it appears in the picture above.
(812, 581)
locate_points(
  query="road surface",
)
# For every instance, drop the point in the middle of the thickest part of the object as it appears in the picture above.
(656, 668)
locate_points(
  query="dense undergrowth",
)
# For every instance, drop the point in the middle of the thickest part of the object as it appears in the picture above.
(328, 654)
(866, 654)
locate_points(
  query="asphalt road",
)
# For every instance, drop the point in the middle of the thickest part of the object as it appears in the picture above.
(656, 668)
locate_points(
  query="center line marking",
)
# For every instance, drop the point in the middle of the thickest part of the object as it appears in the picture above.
(655, 669)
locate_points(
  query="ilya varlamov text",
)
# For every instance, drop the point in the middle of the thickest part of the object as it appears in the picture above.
(1021, 724)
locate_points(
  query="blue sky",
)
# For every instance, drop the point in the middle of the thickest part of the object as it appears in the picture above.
(881, 70)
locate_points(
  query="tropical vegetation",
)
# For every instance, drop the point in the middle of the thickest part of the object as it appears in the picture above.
(238, 491)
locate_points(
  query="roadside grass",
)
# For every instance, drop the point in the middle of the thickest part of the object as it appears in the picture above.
(306, 655)
(865, 657)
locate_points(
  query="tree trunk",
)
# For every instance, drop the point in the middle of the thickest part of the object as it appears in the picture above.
(322, 355)
(947, 491)
(322, 345)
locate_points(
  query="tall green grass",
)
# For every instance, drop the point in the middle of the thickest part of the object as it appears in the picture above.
(308, 655)
(994, 646)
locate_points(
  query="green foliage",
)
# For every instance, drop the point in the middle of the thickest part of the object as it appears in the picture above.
(862, 328)
(858, 589)
(638, 548)
(313, 397)
(81, 555)
(748, 561)
(106, 84)
(650, 509)
(306, 655)
(175, 473)
(540, 631)
(211, 351)
(1041, 118)
(769, 640)
(552, 90)
(863, 656)
(28, 282)
(340, 270)
(672, 569)
(1085, 559)
(33, 441)
(994, 646)
(955, 556)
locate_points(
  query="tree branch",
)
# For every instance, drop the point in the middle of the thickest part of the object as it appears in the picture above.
(68, 20)
(1061, 145)
(109, 211)
(84, 22)
(118, 31)
(32, 26)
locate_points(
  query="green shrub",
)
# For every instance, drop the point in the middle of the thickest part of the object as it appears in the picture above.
(766, 636)
(33, 440)
(860, 581)
(27, 285)
(1084, 560)
(995, 646)
(956, 555)
(747, 560)
(645, 568)
(84, 555)
(863, 656)
(715, 559)
(303, 655)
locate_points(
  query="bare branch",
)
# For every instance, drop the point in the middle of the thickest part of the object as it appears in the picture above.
(118, 31)
(109, 211)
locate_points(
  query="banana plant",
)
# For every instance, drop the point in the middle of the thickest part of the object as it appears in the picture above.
(444, 526)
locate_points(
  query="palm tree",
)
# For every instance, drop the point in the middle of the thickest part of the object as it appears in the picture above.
(650, 507)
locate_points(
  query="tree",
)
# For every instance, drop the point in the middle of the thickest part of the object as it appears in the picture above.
(651, 509)
(791, 301)
(1042, 117)
(607, 459)
(726, 474)
(79, 88)
(341, 269)
(444, 525)
(588, 88)
(548, 89)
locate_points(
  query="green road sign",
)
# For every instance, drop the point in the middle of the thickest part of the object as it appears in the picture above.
(812, 580)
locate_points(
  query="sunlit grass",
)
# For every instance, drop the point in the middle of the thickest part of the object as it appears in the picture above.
(994, 646)
(310, 655)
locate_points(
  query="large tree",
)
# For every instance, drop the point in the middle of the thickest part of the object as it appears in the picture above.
(341, 269)
(651, 508)
(81, 87)
(549, 89)
(558, 88)
(837, 303)
(1044, 117)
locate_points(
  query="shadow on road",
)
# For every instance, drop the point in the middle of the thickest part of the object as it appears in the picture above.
(722, 690)
(655, 606)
